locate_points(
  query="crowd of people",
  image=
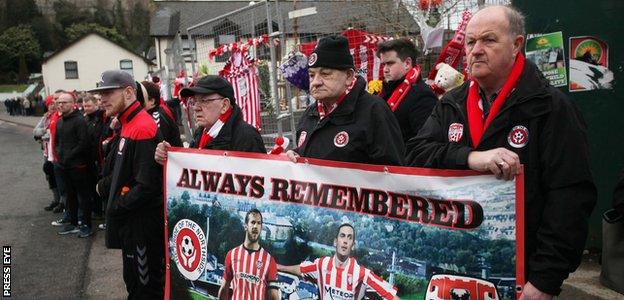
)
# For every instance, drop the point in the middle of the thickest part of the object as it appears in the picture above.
(20, 106)
(105, 156)
(83, 136)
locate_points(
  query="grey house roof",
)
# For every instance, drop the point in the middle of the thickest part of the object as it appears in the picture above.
(376, 16)
(171, 16)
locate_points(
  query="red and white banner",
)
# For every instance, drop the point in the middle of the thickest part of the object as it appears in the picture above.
(362, 46)
(412, 232)
(454, 51)
(241, 72)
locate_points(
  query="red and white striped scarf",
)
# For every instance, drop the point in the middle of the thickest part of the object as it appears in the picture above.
(321, 108)
(209, 134)
(403, 89)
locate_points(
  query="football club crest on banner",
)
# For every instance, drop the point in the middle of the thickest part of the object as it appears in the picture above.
(190, 249)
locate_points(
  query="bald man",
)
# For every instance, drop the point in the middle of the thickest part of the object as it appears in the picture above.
(508, 115)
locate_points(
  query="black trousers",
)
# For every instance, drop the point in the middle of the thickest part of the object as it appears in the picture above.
(48, 170)
(77, 185)
(143, 251)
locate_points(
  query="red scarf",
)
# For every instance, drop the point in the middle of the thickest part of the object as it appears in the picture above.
(475, 113)
(401, 91)
(209, 134)
(54, 117)
(321, 108)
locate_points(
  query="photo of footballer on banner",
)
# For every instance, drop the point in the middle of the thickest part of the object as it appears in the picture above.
(237, 229)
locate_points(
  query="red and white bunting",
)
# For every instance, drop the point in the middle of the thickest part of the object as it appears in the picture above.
(233, 47)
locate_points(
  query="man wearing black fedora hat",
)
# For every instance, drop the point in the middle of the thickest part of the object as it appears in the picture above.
(134, 213)
(221, 125)
(345, 123)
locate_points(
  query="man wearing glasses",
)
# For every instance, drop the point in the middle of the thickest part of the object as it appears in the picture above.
(221, 125)
(134, 213)
(71, 149)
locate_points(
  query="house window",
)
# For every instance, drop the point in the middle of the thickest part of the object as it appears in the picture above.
(264, 51)
(186, 49)
(71, 70)
(126, 65)
(226, 32)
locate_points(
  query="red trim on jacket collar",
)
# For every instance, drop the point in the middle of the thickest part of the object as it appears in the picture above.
(124, 117)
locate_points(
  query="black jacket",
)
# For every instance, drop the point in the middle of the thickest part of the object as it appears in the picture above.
(136, 179)
(415, 108)
(95, 124)
(108, 163)
(71, 141)
(235, 135)
(168, 127)
(559, 189)
(362, 129)
(618, 194)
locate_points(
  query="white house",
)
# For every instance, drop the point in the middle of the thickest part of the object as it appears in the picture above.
(80, 64)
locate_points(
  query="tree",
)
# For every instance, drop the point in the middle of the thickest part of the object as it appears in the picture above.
(67, 14)
(102, 15)
(50, 37)
(78, 30)
(185, 196)
(120, 21)
(25, 9)
(18, 44)
(138, 31)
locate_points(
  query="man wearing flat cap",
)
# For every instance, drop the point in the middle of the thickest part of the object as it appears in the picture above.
(134, 213)
(221, 125)
(345, 123)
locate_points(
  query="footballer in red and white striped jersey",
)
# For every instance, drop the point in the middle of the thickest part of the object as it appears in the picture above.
(250, 271)
(345, 283)
(340, 277)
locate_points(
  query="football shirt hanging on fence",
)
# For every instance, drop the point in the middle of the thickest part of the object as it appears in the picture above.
(241, 72)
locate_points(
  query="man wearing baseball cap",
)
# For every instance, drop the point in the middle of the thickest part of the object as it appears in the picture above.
(345, 123)
(221, 125)
(134, 213)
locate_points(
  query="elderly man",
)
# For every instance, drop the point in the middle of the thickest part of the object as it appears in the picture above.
(134, 213)
(221, 123)
(345, 123)
(408, 96)
(508, 115)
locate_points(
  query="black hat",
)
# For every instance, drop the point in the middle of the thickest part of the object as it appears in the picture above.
(332, 52)
(210, 84)
(114, 79)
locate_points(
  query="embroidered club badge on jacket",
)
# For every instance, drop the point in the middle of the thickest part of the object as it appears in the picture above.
(455, 132)
(341, 139)
(518, 136)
